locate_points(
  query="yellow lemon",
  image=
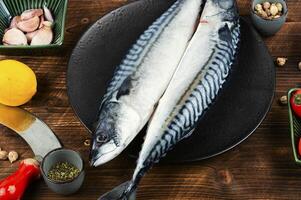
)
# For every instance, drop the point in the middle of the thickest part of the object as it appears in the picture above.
(18, 83)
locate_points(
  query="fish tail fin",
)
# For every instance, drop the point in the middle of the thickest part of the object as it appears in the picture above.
(125, 191)
(129, 192)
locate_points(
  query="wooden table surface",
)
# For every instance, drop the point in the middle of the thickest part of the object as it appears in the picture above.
(262, 167)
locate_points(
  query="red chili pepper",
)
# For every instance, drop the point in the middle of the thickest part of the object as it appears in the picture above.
(295, 102)
(13, 187)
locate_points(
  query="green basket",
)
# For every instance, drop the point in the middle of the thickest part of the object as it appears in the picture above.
(11, 8)
(295, 127)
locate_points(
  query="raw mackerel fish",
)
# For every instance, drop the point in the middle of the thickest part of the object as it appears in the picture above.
(141, 79)
(201, 73)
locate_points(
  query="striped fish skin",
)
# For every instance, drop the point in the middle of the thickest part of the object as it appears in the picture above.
(141, 79)
(201, 74)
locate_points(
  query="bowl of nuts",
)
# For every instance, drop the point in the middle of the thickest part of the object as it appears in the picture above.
(268, 16)
(31, 24)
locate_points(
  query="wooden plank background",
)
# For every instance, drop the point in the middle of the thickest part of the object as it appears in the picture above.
(262, 167)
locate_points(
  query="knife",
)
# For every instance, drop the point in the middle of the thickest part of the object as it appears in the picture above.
(40, 138)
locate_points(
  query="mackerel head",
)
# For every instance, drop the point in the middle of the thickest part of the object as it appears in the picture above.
(141, 79)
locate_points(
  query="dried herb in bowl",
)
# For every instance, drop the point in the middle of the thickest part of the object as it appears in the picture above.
(62, 172)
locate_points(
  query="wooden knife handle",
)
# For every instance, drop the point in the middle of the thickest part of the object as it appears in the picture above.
(13, 187)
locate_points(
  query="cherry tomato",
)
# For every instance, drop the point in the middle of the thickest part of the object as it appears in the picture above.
(295, 102)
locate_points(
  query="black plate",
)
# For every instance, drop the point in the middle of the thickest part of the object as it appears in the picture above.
(238, 111)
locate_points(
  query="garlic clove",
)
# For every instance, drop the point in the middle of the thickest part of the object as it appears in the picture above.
(42, 19)
(13, 156)
(44, 36)
(48, 15)
(28, 14)
(30, 35)
(14, 22)
(14, 37)
(29, 25)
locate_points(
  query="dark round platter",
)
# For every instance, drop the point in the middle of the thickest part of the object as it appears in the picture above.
(240, 108)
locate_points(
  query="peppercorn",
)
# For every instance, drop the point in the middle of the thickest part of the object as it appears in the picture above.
(283, 100)
(3, 155)
(273, 9)
(13, 156)
(266, 5)
(279, 6)
(281, 61)
(258, 7)
(262, 14)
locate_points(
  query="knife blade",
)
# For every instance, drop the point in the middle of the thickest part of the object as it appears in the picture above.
(35, 132)
(40, 138)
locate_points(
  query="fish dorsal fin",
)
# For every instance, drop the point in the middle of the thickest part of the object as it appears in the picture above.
(124, 88)
(225, 33)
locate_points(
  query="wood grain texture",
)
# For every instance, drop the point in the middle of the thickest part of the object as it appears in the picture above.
(262, 167)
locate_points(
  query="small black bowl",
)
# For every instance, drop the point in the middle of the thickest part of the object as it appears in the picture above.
(265, 26)
(63, 155)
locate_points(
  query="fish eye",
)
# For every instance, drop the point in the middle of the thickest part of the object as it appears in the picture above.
(226, 4)
(101, 138)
